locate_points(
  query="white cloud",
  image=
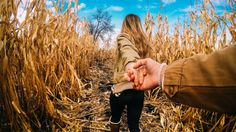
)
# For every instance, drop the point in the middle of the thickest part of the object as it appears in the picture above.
(88, 11)
(50, 6)
(198, 7)
(219, 2)
(81, 6)
(190, 8)
(69, 1)
(115, 8)
(187, 9)
(49, 3)
(166, 2)
(146, 7)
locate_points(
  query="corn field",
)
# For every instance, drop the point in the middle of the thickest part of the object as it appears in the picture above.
(54, 78)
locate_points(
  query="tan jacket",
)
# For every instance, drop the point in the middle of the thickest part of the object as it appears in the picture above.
(126, 52)
(204, 81)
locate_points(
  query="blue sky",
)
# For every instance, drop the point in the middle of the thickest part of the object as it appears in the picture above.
(174, 9)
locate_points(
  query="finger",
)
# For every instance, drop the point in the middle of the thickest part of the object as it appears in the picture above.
(141, 79)
(140, 63)
(132, 77)
(144, 70)
(139, 87)
(139, 75)
(135, 87)
(131, 71)
(127, 77)
(136, 78)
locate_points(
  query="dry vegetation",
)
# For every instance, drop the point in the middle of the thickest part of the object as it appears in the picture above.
(54, 78)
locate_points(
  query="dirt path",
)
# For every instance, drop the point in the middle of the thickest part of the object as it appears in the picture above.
(98, 104)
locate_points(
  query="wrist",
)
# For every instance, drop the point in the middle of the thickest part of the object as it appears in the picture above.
(161, 73)
(162, 76)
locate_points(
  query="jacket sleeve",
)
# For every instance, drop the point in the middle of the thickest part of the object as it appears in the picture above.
(127, 49)
(204, 81)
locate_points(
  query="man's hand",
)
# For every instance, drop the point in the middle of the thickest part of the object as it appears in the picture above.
(144, 74)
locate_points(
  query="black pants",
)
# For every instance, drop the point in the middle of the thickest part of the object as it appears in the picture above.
(134, 101)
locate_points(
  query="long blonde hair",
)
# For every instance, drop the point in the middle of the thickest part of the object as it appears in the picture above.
(132, 26)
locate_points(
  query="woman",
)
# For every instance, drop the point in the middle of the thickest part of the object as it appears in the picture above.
(132, 44)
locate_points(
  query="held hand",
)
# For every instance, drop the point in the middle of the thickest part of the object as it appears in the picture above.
(145, 74)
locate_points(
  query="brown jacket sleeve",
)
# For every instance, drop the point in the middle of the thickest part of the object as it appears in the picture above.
(204, 81)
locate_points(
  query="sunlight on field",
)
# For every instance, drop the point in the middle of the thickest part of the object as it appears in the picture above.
(53, 75)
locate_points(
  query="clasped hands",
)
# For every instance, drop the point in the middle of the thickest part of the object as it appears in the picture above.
(146, 74)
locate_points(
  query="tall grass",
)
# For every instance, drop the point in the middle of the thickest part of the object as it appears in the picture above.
(42, 61)
(44, 58)
(203, 32)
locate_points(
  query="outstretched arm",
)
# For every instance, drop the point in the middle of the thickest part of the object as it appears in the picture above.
(203, 81)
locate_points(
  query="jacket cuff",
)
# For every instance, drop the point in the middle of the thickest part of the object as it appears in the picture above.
(172, 77)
